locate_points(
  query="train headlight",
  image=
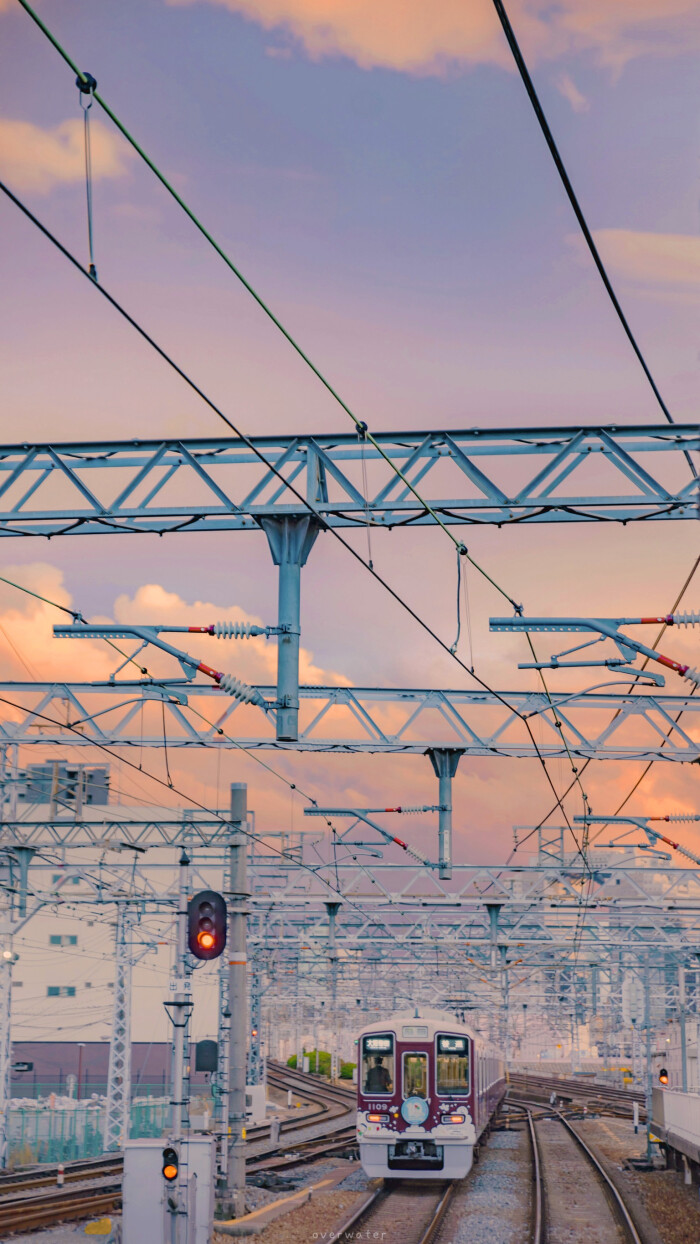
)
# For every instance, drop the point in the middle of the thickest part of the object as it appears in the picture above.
(452, 1118)
(377, 1118)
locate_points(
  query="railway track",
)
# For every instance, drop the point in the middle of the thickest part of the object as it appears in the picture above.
(411, 1213)
(47, 1176)
(46, 1208)
(31, 1199)
(579, 1090)
(572, 1199)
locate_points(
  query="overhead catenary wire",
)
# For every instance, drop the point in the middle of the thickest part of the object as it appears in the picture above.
(360, 425)
(88, 83)
(304, 501)
(215, 815)
(86, 80)
(576, 206)
(657, 640)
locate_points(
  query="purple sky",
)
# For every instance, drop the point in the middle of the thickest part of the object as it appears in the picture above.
(383, 183)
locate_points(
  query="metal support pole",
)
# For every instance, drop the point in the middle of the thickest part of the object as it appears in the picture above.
(179, 1009)
(5, 1038)
(24, 856)
(255, 1068)
(233, 1197)
(681, 1023)
(332, 909)
(444, 761)
(291, 539)
(224, 1033)
(117, 1114)
(647, 1025)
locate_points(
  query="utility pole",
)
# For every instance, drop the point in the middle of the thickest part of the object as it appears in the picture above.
(332, 909)
(233, 1198)
(179, 1009)
(647, 1025)
(681, 1022)
(6, 961)
(119, 1074)
(255, 1061)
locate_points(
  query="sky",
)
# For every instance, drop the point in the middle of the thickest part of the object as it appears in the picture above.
(377, 173)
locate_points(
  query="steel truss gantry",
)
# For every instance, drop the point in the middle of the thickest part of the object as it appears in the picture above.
(472, 475)
(598, 724)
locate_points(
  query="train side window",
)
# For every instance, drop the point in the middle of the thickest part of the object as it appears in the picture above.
(452, 1065)
(378, 1064)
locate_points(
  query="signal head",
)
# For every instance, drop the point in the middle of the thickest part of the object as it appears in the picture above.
(206, 924)
(171, 1164)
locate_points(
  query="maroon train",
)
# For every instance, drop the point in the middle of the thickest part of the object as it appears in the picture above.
(426, 1088)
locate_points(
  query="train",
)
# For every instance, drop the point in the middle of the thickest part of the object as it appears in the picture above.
(427, 1087)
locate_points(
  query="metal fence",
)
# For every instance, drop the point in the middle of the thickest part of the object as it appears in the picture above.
(42, 1133)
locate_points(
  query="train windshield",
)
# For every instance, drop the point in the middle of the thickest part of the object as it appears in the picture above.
(452, 1065)
(415, 1075)
(378, 1064)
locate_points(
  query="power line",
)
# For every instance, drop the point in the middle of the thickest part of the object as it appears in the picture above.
(87, 83)
(573, 200)
(306, 504)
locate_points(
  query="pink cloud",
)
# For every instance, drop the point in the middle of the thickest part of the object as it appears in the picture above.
(655, 259)
(425, 39)
(37, 159)
(570, 91)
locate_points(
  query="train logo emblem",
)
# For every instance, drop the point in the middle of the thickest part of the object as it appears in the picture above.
(415, 1110)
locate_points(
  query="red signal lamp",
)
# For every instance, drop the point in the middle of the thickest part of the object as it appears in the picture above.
(663, 1076)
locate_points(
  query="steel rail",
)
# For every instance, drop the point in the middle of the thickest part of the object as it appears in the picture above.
(90, 1168)
(611, 1190)
(26, 1213)
(440, 1210)
(618, 1205)
(573, 1088)
(363, 1212)
(537, 1188)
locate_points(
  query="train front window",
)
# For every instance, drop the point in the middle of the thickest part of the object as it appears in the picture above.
(415, 1075)
(452, 1065)
(378, 1064)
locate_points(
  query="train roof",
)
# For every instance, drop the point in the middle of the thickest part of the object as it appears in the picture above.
(437, 1021)
(423, 1015)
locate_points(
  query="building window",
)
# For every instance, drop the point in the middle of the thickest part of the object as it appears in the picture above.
(63, 939)
(60, 991)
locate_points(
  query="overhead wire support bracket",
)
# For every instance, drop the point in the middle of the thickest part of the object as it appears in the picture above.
(605, 628)
(235, 687)
(643, 823)
(360, 814)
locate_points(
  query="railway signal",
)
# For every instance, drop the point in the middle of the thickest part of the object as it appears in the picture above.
(171, 1164)
(663, 1075)
(206, 924)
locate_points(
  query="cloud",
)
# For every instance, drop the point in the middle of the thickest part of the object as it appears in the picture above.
(656, 259)
(27, 641)
(254, 660)
(416, 37)
(37, 159)
(570, 91)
